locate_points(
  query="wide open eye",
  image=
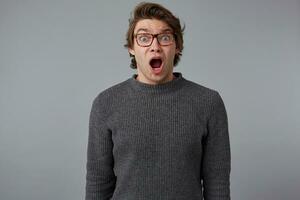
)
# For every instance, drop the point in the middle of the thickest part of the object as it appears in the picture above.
(165, 38)
(144, 38)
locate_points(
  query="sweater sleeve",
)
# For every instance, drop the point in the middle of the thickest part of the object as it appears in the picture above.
(216, 163)
(100, 178)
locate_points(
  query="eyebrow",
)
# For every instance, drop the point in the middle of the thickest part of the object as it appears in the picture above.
(147, 30)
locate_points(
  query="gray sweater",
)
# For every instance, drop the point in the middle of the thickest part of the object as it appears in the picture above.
(158, 142)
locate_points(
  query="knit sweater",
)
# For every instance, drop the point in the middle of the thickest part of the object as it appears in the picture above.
(158, 142)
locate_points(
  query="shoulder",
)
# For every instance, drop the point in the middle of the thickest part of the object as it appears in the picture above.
(203, 96)
(108, 96)
(113, 91)
(199, 90)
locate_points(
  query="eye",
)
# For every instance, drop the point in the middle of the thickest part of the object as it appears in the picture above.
(165, 38)
(144, 38)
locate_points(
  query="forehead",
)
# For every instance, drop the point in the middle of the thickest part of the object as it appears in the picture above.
(152, 26)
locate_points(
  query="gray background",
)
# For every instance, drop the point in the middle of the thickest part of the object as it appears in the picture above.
(56, 56)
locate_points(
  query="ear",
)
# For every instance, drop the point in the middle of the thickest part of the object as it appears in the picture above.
(131, 51)
(177, 51)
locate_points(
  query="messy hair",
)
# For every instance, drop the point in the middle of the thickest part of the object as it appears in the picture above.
(147, 10)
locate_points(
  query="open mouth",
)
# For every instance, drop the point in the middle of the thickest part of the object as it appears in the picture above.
(155, 63)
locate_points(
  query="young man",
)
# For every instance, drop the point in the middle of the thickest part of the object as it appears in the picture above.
(157, 135)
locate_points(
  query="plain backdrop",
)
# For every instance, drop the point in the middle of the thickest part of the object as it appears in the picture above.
(56, 56)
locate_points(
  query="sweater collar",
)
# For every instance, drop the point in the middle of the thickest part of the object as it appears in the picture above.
(169, 86)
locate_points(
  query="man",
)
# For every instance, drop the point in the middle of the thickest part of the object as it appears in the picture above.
(157, 135)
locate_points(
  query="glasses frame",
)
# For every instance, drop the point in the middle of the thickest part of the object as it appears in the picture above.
(155, 36)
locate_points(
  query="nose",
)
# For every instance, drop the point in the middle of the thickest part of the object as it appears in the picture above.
(155, 46)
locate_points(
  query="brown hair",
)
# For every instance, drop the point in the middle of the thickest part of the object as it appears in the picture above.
(147, 10)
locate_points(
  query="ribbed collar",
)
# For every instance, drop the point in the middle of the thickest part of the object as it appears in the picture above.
(166, 87)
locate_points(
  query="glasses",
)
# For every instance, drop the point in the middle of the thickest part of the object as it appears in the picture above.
(146, 39)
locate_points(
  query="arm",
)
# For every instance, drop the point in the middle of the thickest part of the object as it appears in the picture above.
(100, 178)
(216, 163)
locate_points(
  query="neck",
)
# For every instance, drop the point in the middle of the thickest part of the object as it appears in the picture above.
(144, 80)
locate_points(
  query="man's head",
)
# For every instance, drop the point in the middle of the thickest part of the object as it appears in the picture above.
(154, 41)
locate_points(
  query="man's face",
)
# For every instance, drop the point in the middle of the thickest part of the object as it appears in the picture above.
(155, 62)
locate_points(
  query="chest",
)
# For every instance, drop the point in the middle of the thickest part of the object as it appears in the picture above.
(158, 126)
